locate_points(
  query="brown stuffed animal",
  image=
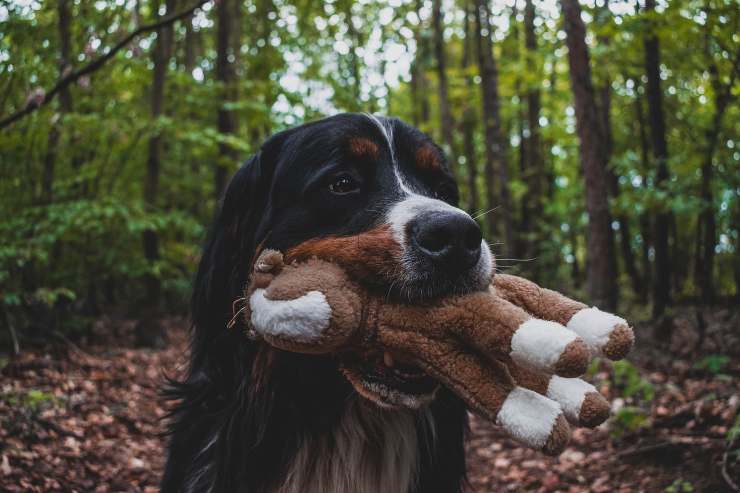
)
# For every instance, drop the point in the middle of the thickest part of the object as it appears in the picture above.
(487, 347)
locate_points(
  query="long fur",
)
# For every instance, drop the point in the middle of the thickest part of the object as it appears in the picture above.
(250, 418)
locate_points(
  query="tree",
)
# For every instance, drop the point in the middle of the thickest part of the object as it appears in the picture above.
(445, 115)
(419, 81)
(722, 97)
(469, 114)
(600, 276)
(65, 100)
(534, 162)
(662, 277)
(226, 78)
(148, 330)
(495, 142)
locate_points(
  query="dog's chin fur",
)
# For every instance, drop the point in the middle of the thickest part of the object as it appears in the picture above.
(370, 450)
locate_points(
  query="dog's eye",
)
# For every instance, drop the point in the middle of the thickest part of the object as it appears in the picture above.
(343, 184)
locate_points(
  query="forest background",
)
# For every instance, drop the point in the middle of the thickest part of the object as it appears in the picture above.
(597, 143)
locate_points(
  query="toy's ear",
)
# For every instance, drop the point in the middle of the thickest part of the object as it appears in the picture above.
(240, 225)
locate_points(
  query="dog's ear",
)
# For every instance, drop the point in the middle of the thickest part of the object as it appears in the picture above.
(225, 263)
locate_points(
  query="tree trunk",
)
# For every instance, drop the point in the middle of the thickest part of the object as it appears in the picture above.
(469, 118)
(600, 276)
(354, 59)
(148, 331)
(190, 47)
(605, 104)
(707, 241)
(662, 277)
(226, 78)
(445, 114)
(495, 141)
(420, 66)
(646, 227)
(65, 102)
(535, 163)
(736, 257)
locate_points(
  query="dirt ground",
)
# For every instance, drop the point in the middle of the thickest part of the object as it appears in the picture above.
(87, 417)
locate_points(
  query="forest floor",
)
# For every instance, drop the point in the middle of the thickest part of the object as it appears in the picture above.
(87, 417)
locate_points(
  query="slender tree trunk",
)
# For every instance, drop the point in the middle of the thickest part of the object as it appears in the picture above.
(605, 104)
(162, 52)
(414, 90)
(575, 269)
(445, 114)
(707, 240)
(190, 47)
(65, 101)
(226, 77)
(469, 117)
(601, 282)
(422, 56)
(495, 141)
(354, 59)
(662, 277)
(646, 227)
(736, 258)
(535, 163)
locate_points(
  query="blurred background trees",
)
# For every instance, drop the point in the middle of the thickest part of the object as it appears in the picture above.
(595, 142)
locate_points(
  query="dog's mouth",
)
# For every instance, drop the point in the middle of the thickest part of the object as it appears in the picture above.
(390, 380)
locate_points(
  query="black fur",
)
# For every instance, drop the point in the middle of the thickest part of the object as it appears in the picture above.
(243, 407)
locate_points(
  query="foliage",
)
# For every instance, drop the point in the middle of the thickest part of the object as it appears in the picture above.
(713, 363)
(680, 486)
(635, 390)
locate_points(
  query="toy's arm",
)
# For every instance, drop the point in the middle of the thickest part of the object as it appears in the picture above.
(604, 333)
(497, 329)
(311, 307)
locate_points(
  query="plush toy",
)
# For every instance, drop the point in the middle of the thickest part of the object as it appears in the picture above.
(512, 353)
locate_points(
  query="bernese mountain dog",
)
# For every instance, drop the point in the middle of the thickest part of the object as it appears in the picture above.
(251, 418)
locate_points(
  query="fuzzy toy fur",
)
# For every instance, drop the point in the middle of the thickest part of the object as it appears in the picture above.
(516, 370)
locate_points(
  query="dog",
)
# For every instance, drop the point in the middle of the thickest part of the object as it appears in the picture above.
(251, 418)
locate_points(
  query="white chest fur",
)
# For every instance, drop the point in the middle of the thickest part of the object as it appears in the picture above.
(370, 450)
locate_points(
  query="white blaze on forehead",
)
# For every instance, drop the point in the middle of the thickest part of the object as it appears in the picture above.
(387, 130)
(302, 319)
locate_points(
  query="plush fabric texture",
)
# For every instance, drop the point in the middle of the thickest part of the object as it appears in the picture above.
(511, 353)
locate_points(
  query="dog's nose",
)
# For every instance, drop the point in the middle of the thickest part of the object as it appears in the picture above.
(450, 239)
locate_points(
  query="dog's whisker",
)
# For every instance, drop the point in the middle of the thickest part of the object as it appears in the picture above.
(481, 214)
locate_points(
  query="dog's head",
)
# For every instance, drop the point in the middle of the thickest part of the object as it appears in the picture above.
(374, 194)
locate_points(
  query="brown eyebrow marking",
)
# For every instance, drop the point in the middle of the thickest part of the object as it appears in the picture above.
(427, 158)
(361, 146)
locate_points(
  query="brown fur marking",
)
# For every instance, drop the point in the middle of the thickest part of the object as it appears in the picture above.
(427, 158)
(372, 257)
(363, 147)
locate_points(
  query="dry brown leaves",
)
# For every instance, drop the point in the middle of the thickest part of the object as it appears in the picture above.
(89, 419)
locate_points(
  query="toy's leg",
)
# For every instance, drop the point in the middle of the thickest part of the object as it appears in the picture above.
(487, 388)
(581, 402)
(308, 308)
(604, 333)
(497, 328)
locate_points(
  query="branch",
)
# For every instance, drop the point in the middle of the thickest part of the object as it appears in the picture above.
(41, 98)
